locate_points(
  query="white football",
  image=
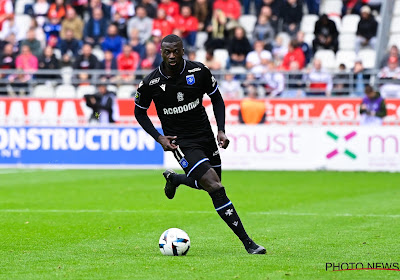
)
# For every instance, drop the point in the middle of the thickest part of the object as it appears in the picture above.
(174, 242)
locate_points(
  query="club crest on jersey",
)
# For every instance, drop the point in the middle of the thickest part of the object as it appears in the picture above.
(179, 96)
(183, 162)
(190, 79)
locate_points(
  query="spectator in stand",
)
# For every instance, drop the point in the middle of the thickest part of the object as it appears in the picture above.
(295, 53)
(86, 61)
(274, 21)
(128, 60)
(274, 81)
(273, 11)
(230, 88)
(58, 9)
(98, 4)
(6, 11)
(360, 78)
(211, 62)
(351, 7)
(33, 44)
(373, 108)
(7, 59)
(136, 45)
(340, 81)
(170, 7)
(319, 80)
(326, 34)
(279, 49)
(151, 8)
(251, 80)
(313, 6)
(231, 8)
(203, 12)
(52, 30)
(11, 27)
(257, 6)
(69, 45)
(295, 82)
(291, 14)
(18, 83)
(162, 23)
(39, 33)
(121, 24)
(390, 73)
(263, 31)
(217, 31)
(113, 42)
(48, 61)
(109, 64)
(393, 51)
(257, 60)
(188, 25)
(142, 23)
(26, 60)
(252, 111)
(96, 28)
(72, 22)
(366, 30)
(304, 46)
(153, 58)
(10, 40)
(40, 11)
(80, 6)
(238, 48)
(104, 104)
(123, 7)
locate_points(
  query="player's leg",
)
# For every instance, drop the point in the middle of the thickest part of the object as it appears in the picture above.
(224, 207)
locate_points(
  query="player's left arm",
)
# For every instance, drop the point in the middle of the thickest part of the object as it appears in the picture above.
(219, 113)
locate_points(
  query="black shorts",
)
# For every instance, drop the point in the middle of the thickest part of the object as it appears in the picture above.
(196, 159)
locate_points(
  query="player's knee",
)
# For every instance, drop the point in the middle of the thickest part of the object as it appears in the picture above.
(210, 181)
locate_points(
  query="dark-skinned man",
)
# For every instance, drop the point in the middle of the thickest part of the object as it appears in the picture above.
(177, 88)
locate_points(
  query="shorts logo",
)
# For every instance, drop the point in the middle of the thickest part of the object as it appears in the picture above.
(190, 79)
(183, 162)
(179, 96)
(154, 81)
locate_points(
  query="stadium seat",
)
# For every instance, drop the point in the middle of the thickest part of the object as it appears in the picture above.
(126, 91)
(327, 58)
(248, 22)
(24, 22)
(201, 38)
(65, 91)
(307, 24)
(66, 74)
(395, 26)
(346, 57)
(222, 56)
(57, 53)
(285, 38)
(367, 57)
(201, 55)
(350, 23)
(86, 89)
(308, 38)
(338, 22)
(396, 11)
(43, 91)
(347, 41)
(112, 88)
(98, 53)
(332, 7)
(394, 40)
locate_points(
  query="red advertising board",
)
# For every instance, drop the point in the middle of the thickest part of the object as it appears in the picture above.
(34, 111)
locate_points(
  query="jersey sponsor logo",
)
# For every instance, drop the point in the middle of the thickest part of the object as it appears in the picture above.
(190, 79)
(213, 80)
(184, 163)
(181, 109)
(154, 81)
(179, 96)
(194, 70)
(162, 87)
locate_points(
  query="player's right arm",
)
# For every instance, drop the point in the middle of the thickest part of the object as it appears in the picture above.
(142, 103)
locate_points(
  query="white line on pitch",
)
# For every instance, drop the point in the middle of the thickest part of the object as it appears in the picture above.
(190, 212)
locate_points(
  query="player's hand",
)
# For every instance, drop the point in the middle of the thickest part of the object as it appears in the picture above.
(223, 141)
(166, 142)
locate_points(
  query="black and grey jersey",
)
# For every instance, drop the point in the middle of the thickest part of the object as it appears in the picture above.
(179, 100)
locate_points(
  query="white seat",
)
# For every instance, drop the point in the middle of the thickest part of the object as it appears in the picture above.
(367, 57)
(346, 57)
(57, 53)
(201, 55)
(222, 56)
(24, 22)
(350, 23)
(396, 11)
(201, 38)
(43, 91)
(394, 40)
(66, 74)
(308, 38)
(248, 22)
(395, 26)
(285, 38)
(347, 41)
(338, 22)
(332, 7)
(307, 24)
(126, 91)
(65, 91)
(327, 58)
(86, 89)
(98, 53)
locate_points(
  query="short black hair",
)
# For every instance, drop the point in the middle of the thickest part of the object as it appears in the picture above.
(171, 38)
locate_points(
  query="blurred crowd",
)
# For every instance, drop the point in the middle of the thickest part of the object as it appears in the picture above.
(125, 36)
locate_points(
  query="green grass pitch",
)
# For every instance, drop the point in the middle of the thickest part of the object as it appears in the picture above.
(105, 224)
